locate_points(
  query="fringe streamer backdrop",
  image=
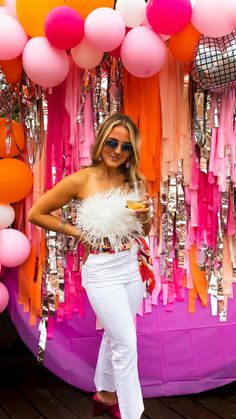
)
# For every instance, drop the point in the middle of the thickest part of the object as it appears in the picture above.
(188, 156)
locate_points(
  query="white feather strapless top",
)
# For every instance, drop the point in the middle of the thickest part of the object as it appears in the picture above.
(104, 217)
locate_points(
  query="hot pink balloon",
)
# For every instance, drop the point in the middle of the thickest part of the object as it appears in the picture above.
(45, 65)
(104, 28)
(4, 297)
(14, 247)
(64, 27)
(214, 18)
(168, 16)
(143, 52)
(12, 37)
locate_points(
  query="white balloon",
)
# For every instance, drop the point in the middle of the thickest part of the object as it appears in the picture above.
(132, 11)
(85, 55)
(7, 215)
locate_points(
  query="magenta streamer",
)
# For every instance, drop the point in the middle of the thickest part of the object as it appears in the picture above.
(56, 135)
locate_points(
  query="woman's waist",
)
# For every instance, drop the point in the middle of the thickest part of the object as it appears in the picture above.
(106, 247)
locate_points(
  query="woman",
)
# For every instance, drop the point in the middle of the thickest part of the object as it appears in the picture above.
(110, 272)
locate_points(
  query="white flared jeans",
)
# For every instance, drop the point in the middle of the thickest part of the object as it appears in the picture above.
(115, 290)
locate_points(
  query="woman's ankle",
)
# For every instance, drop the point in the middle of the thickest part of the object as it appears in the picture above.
(107, 397)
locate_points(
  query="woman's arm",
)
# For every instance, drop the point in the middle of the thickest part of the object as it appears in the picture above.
(52, 200)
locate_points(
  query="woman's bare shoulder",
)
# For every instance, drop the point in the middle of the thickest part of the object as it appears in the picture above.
(82, 175)
(83, 180)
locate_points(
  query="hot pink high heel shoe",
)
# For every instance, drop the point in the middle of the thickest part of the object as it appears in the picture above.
(100, 408)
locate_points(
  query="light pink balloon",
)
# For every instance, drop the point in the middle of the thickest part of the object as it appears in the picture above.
(4, 297)
(213, 17)
(7, 215)
(14, 247)
(45, 65)
(64, 27)
(12, 37)
(85, 55)
(104, 28)
(11, 8)
(143, 52)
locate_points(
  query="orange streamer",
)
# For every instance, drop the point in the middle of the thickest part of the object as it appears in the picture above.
(199, 282)
(142, 104)
(30, 274)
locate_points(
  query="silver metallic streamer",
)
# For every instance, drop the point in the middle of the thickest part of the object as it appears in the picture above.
(53, 281)
(202, 129)
(107, 88)
(34, 117)
(181, 220)
(171, 215)
(42, 339)
(173, 224)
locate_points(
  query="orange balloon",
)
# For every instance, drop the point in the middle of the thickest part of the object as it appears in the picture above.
(182, 44)
(17, 138)
(16, 180)
(12, 69)
(85, 7)
(32, 13)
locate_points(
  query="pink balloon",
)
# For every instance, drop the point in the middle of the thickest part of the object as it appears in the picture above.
(64, 27)
(104, 28)
(14, 247)
(85, 55)
(168, 16)
(143, 52)
(4, 297)
(214, 18)
(46, 65)
(12, 37)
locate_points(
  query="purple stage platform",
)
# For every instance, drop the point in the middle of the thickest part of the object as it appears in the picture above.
(179, 352)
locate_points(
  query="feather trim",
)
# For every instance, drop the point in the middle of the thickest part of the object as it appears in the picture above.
(104, 216)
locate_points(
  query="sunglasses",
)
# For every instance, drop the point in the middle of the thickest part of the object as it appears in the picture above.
(113, 144)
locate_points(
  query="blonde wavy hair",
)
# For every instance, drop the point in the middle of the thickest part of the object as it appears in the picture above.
(131, 173)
